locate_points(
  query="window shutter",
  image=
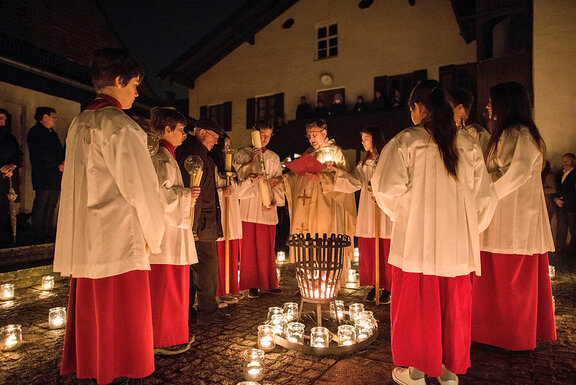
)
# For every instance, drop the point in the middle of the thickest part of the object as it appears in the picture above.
(227, 116)
(278, 105)
(203, 112)
(250, 112)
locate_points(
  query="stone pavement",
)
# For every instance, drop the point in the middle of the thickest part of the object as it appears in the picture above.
(215, 357)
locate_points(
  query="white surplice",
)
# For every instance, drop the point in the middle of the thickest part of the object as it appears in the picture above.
(436, 218)
(178, 246)
(359, 179)
(251, 209)
(520, 224)
(235, 220)
(480, 135)
(111, 206)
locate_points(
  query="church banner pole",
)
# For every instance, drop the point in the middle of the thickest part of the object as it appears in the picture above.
(377, 252)
(229, 175)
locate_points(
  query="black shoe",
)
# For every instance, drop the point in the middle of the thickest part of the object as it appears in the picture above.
(276, 291)
(175, 349)
(253, 293)
(384, 297)
(370, 296)
(213, 318)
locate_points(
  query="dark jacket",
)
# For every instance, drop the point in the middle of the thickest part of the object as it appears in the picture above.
(46, 154)
(304, 111)
(9, 154)
(207, 225)
(567, 190)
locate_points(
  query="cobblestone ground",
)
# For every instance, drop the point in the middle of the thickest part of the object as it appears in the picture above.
(215, 357)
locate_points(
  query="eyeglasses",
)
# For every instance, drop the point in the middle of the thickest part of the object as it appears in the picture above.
(313, 134)
(212, 133)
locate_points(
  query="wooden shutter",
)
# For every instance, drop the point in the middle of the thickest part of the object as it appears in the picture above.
(250, 112)
(278, 105)
(227, 116)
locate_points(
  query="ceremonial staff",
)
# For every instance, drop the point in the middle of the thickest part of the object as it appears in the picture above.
(229, 176)
(194, 164)
(12, 198)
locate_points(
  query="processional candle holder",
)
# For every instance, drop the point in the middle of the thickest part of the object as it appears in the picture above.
(194, 165)
(254, 364)
(10, 337)
(260, 169)
(6, 292)
(57, 318)
(47, 283)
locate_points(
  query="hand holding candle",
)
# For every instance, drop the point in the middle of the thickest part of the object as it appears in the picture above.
(194, 164)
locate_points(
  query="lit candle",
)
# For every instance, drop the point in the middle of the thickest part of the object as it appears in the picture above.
(337, 309)
(551, 271)
(278, 321)
(228, 161)
(351, 275)
(356, 254)
(295, 332)
(10, 337)
(281, 256)
(354, 310)
(57, 318)
(319, 337)
(48, 282)
(290, 311)
(346, 335)
(266, 337)
(254, 364)
(6, 291)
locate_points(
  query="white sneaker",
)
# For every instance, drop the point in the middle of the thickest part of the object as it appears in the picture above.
(402, 376)
(221, 304)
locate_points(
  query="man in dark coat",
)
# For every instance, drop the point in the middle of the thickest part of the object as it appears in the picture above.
(47, 160)
(565, 199)
(207, 226)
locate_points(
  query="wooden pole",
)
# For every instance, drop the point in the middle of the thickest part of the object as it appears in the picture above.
(227, 241)
(377, 252)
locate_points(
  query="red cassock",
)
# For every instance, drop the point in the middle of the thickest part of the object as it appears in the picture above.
(258, 261)
(366, 262)
(523, 308)
(430, 320)
(233, 276)
(112, 335)
(169, 290)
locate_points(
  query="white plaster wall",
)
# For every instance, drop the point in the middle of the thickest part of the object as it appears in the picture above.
(389, 38)
(21, 103)
(555, 75)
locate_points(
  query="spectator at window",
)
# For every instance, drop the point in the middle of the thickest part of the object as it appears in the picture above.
(321, 109)
(360, 107)
(304, 110)
(396, 101)
(378, 103)
(337, 107)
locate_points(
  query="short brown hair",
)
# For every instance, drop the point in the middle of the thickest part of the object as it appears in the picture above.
(320, 123)
(160, 117)
(109, 63)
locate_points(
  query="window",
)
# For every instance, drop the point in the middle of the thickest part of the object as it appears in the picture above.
(269, 108)
(219, 113)
(326, 41)
(327, 96)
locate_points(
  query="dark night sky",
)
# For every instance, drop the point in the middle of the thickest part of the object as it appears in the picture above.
(156, 32)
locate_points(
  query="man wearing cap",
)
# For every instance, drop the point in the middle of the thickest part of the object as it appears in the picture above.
(206, 226)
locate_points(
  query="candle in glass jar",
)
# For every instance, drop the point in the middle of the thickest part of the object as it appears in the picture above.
(47, 282)
(337, 309)
(281, 256)
(254, 364)
(266, 338)
(551, 271)
(6, 291)
(346, 335)
(354, 310)
(295, 332)
(290, 311)
(10, 337)
(57, 318)
(319, 337)
(351, 275)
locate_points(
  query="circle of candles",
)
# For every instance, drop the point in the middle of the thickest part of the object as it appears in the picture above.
(47, 282)
(290, 311)
(355, 309)
(6, 291)
(295, 332)
(57, 317)
(346, 335)
(551, 271)
(319, 337)
(10, 337)
(337, 309)
(254, 364)
(281, 256)
(266, 338)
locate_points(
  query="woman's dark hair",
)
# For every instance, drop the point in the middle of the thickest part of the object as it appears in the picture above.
(109, 63)
(439, 122)
(378, 140)
(510, 107)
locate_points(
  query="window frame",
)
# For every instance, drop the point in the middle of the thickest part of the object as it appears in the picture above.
(329, 40)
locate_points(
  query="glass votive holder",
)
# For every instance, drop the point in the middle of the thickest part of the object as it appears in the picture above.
(551, 271)
(7, 292)
(319, 337)
(351, 275)
(281, 256)
(254, 364)
(291, 311)
(295, 332)
(337, 309)
(274, 310)
(10, 337)
(356, 254)
(266, 338)
(47, 282)
(248, 383)
(354, 310)
(346, 335)
(278, 322)
(57, 317)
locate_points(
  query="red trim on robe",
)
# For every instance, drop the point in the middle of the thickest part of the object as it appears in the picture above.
(512, 301)
(258, 259)
(169, 289)
(430, 322)
(234, 288)
(109, 328)
(101, 101)
(169, 146)
(366, 262)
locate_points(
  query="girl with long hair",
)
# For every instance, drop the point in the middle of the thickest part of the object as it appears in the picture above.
(359, 179)
(512, 299)
(432, 182)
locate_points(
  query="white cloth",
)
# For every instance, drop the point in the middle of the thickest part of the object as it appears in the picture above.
(178, 246)
(480, 135)
(359, 179)
(437, 219)
(520, 224)
(251, 209)
(235, 221)
(111, 206)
